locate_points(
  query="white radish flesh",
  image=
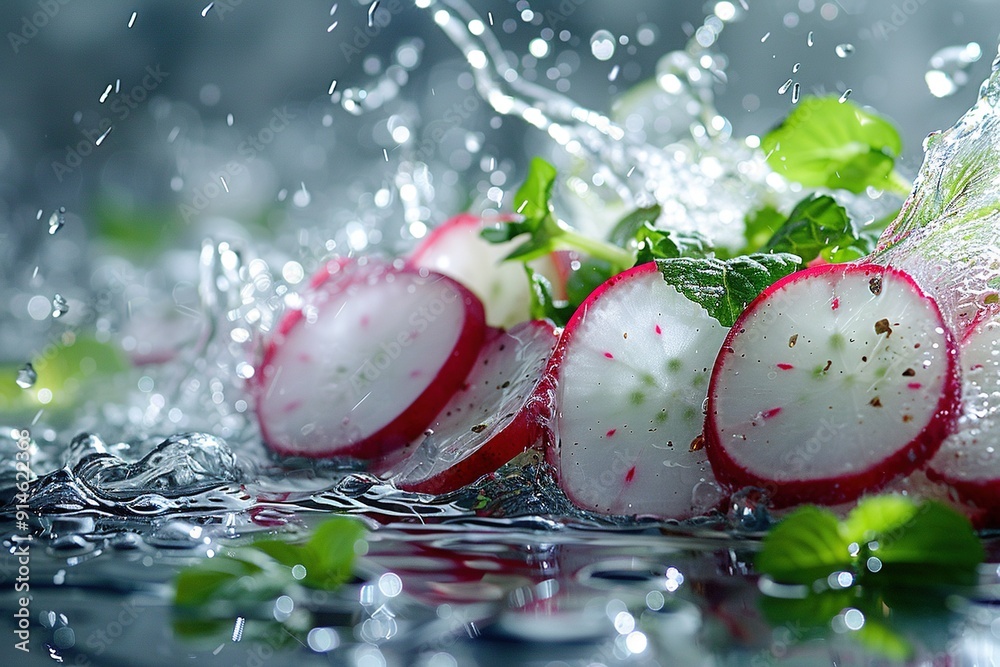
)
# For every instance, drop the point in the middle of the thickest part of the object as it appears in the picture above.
(831, 383)
(367, 362)
(631, 373)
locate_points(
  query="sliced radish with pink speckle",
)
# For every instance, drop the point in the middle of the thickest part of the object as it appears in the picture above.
(362, 368)
(490, 420)
(969, 459)
(631, 373)
(457, 250)
(835, 380)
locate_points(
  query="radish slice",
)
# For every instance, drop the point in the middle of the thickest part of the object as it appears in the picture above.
(631, 372)
(364, 366)
(457, 250)
(490, 420)
(969, 459)
(835, 380)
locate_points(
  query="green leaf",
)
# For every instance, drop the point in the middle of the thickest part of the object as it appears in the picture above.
(760, 226)
(877, 515)
(545, 233)
(725, 287)
(661, 244)
(583, 281)
(807, 545)
(828, 143)
(263, 570)
(626, 229)
(817, 223)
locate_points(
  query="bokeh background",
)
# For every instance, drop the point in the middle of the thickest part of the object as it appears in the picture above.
(198, 93)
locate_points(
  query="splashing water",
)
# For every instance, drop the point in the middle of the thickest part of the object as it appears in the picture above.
(26, 376)
(949, 69)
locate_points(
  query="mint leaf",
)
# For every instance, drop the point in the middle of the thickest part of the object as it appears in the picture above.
(660, 244)
(544, 231)
(725, 287)
(263, 570)
(827, 143)
(817, 223)
(807, 545)
(626, 229)
(760, 226)
(893, 541)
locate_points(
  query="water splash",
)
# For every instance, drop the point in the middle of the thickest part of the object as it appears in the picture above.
(948, 233)
(949, 69)
(187, 473)
(26, 376)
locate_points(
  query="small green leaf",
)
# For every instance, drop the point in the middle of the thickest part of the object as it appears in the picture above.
(828, 143)
(628, 227)
(532, 199)
(807, 545)
(814, 225)
(760, 226)
(725, 287)
(877, 515)
(661, 244)
(333, 545)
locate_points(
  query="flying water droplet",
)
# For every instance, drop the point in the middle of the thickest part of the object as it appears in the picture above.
(844, 50)
(809, 38)
(764, 38)
(104, 95)
(602, 45)
(613, 74)
(26, 376)
(371, 13)
(59, 306)
(795, 94)
(57, 220)
(784, 87)
(100, 139)
(795, 67)
(207, 9)
(332, 26)
(949, 68)
(847, 93)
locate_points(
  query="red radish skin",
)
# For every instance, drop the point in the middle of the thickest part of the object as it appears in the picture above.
(491, 419)
(833, 382)
(456, 249)
(363, 366)
(629, 377)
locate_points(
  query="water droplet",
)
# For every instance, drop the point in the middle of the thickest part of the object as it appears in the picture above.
(57, 220)
(207, 9)
(602, 45)
(59, 306)
(844, 50)
(131, 21)
(795, 67)
(843, 98)
(613, 74)
(332, 26)
(949, 67)
(784, 87)
(795, 94)
(229, 120)
(26, 376)
(100, 139)
(104, 95)
(371, 13)
(333, 86)
(809, 38)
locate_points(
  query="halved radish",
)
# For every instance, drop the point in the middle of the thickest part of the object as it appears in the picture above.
(366, 363)
(969, 459)
(457, 250)
(631, 373)
(835, 380)
(489, 421)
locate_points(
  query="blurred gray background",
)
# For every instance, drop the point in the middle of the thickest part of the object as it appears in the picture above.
(185, 66)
